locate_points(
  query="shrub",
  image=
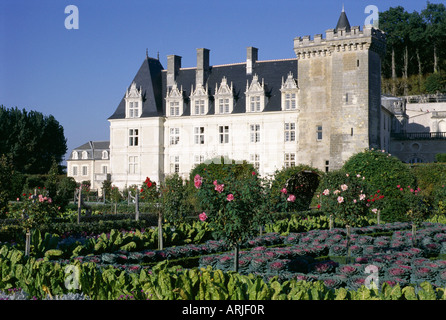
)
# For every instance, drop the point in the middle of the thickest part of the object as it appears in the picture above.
(430, 176)
(298, 183)
(440, 157)
(346, 196)
(176, 205)
(6, 169)
(384, 172)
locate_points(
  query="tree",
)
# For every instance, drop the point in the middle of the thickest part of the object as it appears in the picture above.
(31, 140)
(435, 18)
(232, 204)
(390, 21)
(417, 34)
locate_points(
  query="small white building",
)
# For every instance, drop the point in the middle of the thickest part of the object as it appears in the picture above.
(90, 162)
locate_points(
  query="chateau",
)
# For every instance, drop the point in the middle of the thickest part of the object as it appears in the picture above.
(318, 108)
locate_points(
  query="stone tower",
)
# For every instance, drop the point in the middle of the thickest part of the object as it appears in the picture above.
(339, 79)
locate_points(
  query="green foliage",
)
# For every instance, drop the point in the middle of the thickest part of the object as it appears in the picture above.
(436, 83)
(440, 157)
(106, 187)
(115, 194)
(415, 50)
(300, 181)
(384, 172)
(5, 183)
(175, 200)
(65, 191)
(31, 139)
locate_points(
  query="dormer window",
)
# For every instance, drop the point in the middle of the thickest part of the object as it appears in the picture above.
(224, 97)
(133, 101)
(255, 95)
(174, 101)
(290, 92)
(84, 155)
(74, 155)
(199, 101)
(104, 155)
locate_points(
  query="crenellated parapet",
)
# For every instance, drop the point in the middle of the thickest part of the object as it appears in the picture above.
(341, 41)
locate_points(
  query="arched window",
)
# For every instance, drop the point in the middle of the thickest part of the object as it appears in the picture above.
(84, 155)
(74, 155)
(104, 154)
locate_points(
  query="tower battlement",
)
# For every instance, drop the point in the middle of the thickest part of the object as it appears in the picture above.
(338, 40)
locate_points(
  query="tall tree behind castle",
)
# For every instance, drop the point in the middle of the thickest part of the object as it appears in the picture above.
(416, 45)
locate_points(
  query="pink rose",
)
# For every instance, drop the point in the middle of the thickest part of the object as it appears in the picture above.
(291, 198)
(230, 197)
(340, 199)
(219, 187)
(203, 216)
(284, 191)
(197, 181)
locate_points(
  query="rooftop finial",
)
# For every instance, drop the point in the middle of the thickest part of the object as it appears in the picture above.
(343, 8)
(147, 52)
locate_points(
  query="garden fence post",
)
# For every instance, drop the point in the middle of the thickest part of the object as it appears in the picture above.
(379, 216)
(160, 231)
(137, 206)
(331, 222)
(79, 204)
(236, 257)
(27, 243)
(414, 234)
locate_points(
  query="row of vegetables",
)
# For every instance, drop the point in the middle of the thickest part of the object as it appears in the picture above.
(271, 263)
(45, 280)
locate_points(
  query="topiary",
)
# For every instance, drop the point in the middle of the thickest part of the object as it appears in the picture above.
(384, 172)
(293, 188)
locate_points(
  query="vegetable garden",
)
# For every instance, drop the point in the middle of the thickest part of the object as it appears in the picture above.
(229, 234)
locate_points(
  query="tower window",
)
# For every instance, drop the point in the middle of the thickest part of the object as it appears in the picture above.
(319, 133)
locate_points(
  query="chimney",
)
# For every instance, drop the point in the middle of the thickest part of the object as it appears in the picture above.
(202, 66)
(251, 58)
(173, 66)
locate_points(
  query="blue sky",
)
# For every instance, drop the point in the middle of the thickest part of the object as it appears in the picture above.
(80, 75)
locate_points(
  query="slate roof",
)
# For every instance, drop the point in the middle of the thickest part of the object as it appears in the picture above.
(153, 80)
(343, 22)
(91, 147)
(148, 78)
